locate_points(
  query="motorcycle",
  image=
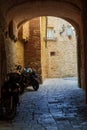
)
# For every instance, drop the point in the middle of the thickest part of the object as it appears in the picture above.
(30, 79)
(9, 97)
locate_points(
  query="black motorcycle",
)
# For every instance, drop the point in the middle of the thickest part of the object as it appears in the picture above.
(9, 97)
(30, 79)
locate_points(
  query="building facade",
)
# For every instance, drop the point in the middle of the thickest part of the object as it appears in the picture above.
(61, 48)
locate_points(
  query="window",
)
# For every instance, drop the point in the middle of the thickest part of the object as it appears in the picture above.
(50, 33)
(52, 53)
(69, 30)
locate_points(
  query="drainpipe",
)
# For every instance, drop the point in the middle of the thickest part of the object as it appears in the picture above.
(46, 32)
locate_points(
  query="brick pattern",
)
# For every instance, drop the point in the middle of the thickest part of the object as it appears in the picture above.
(32, 49)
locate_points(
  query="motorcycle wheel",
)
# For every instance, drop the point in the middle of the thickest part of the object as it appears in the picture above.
(35, 85)
(1, 110)
(21, 89)
(8, 112)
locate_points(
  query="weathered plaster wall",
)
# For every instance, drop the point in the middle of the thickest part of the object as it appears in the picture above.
(43, 34)
(15, 54)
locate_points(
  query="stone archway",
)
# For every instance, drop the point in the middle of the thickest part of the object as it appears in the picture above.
(27, 10)
(71, 11)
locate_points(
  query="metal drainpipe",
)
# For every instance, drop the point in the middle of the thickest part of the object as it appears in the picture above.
(46, 32)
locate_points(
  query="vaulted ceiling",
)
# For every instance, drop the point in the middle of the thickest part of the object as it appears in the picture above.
(23, 10)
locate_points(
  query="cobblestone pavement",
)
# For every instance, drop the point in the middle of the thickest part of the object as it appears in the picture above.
(58, 105)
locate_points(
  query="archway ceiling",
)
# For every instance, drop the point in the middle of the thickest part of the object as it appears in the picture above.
(21, 10)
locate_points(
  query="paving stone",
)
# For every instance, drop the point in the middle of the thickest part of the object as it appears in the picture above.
(57, 105)
(6, 128)
(51, 128)
(84, 128)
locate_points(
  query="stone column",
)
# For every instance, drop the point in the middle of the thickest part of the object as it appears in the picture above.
(3, 62)
(84, 21)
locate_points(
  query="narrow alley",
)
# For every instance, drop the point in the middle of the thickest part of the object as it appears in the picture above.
(59, 104)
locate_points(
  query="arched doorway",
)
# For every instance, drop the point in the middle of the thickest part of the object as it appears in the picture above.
(65, 59)
(70, 11)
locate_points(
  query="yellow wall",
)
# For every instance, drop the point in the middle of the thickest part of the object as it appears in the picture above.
(15, 54)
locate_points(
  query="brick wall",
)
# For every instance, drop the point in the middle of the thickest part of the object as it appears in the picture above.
(32, 49)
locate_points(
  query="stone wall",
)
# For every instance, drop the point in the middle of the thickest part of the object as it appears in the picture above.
(51, 57)
(55, 57)
(61, 49)
(3, 60)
